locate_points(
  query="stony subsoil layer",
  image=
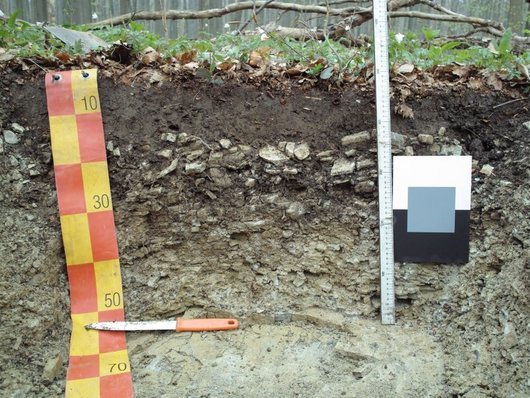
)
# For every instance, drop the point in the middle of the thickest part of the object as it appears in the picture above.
(231, 199)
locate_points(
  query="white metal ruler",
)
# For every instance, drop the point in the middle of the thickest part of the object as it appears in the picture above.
(384, 162)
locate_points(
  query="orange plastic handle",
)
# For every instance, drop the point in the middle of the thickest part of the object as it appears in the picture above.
(203, 325)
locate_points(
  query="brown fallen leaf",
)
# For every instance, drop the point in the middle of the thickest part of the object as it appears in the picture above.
(475, 83)
(405, 111)
(187, 57)
(149, 56)
(256, 59)
(493, 81)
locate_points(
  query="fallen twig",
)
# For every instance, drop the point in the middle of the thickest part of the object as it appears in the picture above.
(510, 102)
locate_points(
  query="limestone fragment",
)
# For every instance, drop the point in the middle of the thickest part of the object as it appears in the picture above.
(225, 143)
(295, 210)
(426, 139)
(195, 167)
(193, 155)
(169, 168)
(365, 187)
(220, 177)
(365, 164)
(527, 125)
(342, 167)
(357, 139)
(289, 149)
(166, 153)
(301, 151)
(398, 140)
(10, 137)
(52, 368)
(17, 128)
(453, 150)
(169, 137)
(272, 155)
(487, 170)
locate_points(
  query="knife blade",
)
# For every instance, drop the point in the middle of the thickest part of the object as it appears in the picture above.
(179, 325)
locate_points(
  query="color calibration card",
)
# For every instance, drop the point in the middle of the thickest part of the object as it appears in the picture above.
(432, 203)
(98, 364)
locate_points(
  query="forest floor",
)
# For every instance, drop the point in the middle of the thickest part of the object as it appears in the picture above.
(260, 221)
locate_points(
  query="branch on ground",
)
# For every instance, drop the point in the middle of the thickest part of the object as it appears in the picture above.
(353, 16)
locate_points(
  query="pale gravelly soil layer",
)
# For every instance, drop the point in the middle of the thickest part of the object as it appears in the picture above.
(233, 199)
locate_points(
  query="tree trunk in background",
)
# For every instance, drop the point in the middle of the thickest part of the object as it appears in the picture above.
(517, 15)
(23, 7)
(125, 6)
(40, 10)
(82, 11)
(59, 12)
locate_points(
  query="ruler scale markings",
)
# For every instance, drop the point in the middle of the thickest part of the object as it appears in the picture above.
(98, 365)
(384, 161)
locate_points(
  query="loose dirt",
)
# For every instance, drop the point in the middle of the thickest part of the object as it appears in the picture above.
(237, 198)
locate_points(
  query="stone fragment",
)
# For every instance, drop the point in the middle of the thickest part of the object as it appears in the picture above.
(215, 158)
(487, 170)
(365, 164)
(351, 153)
(365, 187)
(301, 151)
(17, 128)
(10, 137)
(324, 154)
(110, 146)
(289, 149)
(1, 145)
(183, 139)
(290, 170)
(398, 140)
(272, 155)
(527, 125)
(326, 287)
(409, 151)
(295, 210)
(116, 152)
(169, 137)
(441, 131)
(299, 280)
(426, 139)
(220, 177)
(250, 182)
(356, 139)
(435, 148)
(246, 149)
(169, 168)
(52, 368)
(342, 167)
(234, 160)
(453, 150)
(195, 167)
(193, 155)
(225, 143)
(166, 153)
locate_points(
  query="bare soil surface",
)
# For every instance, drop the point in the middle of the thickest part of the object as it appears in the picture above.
(241, 198)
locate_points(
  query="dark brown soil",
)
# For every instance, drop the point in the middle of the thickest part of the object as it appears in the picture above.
(288, 248)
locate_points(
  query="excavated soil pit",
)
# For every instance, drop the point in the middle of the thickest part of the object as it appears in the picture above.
(269, 218)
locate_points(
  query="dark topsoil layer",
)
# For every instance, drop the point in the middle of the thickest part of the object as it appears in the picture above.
(232, 234)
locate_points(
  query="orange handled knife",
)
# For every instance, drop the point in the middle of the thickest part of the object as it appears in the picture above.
(180, 325)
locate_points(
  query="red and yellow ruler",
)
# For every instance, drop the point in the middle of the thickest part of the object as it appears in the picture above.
(99, 364)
